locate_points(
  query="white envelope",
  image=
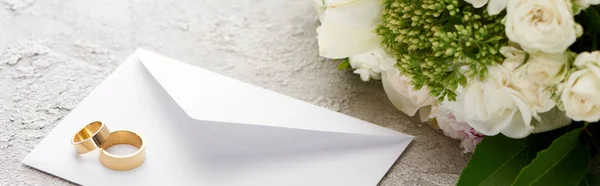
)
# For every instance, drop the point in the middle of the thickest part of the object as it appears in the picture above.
(202, 128)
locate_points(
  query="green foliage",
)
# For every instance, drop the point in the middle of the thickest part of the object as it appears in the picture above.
(345, 64)
(589, 19)
(592, 20)
(565, 162)
(592, 132)
(498, 159)
(433, 39)
(590, 180)
(559, 157)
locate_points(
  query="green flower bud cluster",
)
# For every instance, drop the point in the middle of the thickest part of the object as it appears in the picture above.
(440, 43)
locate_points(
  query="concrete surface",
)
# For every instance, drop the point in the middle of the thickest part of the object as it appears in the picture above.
(54, 52)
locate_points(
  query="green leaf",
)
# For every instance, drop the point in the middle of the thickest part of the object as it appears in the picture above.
(498, 159)
(592, 20)
(590, 180)
(345, 64)
(562, 163)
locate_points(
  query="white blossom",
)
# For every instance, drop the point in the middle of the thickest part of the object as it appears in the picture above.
(367, 65)
(347, 27)
(491, 106)
(456, 129)
(541, 25)
(580, 93)
(401, 92)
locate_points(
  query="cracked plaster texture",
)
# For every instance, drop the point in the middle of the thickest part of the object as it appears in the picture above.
(54, 52)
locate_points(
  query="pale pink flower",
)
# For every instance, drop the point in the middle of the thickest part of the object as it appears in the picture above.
(456, 129)
(471, 140)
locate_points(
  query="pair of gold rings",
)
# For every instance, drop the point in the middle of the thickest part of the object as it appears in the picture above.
(96, 135)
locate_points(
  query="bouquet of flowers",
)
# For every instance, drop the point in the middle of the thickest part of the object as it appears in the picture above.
(518, 81)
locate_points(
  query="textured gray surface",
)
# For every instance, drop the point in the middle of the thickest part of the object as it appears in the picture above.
(54, 52)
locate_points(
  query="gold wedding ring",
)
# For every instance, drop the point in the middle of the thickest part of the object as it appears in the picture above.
(90, 137)
(123, 162)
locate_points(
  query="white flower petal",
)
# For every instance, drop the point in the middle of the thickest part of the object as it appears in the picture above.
(496, 6)
(457, 107)
(579, 96)
(364, 74)
(372, 62)
(495, 104)
(532, 22)
(492, 126)
(424, 113)
(400, 101)
(518, 128)
(357, 13)
(347, 28)
(595, 70)
(320, 8)
(584, 58)
(475, 104)
(477, 3)
(524, 109)
(580, 99)
(337, 40)
(547, 68)
(400, 93)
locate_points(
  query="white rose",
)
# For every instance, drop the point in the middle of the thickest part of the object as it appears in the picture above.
(347, 27)
(580, 96)
(367, 65)
(547, 68)
(491, 106)
(531, 83)
(402, 95)
(537, 96)
(494, 6)
(580, 93)
(541, 25)
(513, 57)
(586, 58)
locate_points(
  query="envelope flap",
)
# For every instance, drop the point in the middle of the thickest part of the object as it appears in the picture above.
(206, 95)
